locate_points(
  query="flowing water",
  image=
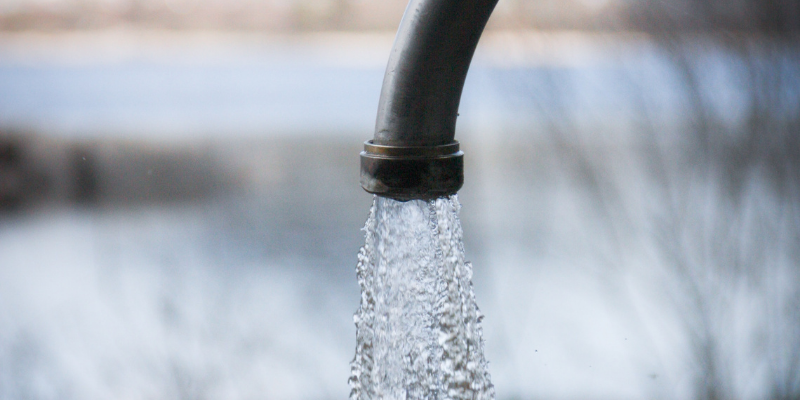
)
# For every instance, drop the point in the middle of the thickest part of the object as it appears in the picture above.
(418, 328)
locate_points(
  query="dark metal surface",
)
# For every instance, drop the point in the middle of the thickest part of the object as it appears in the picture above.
(406, 173)
(426, 71)
(419, 101)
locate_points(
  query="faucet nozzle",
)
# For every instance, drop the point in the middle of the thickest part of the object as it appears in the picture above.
(412, 172)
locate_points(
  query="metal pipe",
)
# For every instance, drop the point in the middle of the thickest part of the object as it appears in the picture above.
(413, 154)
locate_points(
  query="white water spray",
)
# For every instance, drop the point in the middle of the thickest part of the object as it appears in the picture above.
(418, 328)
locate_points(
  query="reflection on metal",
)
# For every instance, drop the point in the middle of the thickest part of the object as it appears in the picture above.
(414, 154)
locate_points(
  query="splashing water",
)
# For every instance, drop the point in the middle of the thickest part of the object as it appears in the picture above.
(418, 328)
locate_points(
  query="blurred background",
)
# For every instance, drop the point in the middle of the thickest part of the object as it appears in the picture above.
(180, 210)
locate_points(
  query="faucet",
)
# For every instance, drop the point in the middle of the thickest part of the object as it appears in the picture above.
(414, 154)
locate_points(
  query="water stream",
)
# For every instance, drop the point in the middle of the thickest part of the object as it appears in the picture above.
(418, 328)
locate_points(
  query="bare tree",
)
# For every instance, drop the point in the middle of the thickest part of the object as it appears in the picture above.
(724, 190)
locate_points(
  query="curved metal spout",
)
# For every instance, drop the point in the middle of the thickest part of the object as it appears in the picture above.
(413, 154)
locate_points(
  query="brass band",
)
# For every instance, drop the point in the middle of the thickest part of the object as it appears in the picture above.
(411, 151)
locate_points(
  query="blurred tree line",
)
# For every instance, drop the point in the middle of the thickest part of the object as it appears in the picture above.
(315, 15)
(772, 16)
